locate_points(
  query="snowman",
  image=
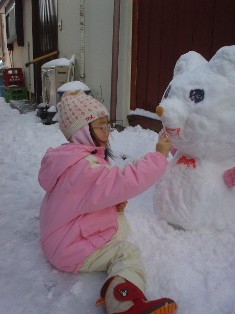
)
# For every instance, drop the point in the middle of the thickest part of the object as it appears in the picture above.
(197, 191)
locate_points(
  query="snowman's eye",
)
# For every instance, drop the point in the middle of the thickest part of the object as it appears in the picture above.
(196, 95)
(167, 91)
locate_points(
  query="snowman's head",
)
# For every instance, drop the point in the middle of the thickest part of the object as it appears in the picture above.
(198, 106)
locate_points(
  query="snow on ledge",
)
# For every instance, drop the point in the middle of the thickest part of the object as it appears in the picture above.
(59, 62)
(74, 85)
(145, 113)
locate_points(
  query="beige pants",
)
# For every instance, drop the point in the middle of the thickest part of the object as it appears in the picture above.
(118, 258)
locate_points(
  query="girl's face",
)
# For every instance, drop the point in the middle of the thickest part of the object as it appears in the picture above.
(101, 129)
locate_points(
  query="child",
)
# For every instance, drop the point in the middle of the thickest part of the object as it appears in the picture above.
(82, 223)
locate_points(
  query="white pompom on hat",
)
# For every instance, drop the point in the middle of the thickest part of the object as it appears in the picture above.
(77, 109)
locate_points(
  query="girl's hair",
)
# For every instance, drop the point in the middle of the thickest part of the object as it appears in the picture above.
(108, 152)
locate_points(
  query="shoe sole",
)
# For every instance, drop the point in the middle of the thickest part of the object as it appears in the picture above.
(167, 309)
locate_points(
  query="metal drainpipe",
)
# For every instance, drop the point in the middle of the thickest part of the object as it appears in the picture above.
(115, 53)
(82, 40)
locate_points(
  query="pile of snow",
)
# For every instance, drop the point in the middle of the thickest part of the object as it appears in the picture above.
(195, 269)
(71, 86)
(59, 62)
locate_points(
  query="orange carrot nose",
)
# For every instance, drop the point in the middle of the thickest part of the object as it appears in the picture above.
(159, 110)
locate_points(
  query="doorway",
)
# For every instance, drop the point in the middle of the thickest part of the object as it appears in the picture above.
(45, 37)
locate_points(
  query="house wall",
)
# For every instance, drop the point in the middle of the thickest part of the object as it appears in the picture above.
(98, 47)
(17, 54)
(13, 58)
(5, 52)
(124, 82)
(20, 55)
(28, 45)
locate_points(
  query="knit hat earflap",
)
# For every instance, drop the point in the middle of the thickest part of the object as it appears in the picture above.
(77, 109)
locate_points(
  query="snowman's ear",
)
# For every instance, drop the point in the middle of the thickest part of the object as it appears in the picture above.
(223, 62)
(188, 61)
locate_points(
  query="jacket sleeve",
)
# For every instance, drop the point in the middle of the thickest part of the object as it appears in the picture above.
(100, 186)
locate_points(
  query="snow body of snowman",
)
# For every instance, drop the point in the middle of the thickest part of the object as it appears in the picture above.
(198, 114)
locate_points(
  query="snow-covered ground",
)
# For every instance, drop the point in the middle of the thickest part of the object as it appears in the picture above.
(197, 270)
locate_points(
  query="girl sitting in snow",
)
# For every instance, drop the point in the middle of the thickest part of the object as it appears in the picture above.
(82, 223)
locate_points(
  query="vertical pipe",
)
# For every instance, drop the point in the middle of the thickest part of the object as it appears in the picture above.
(29, 85)
(82, 40)
(115, 53)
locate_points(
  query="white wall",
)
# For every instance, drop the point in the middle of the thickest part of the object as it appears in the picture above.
(69, 36)
(17, 54)
(99, 30)
(124, 81)
(98, 47)
(28, 45)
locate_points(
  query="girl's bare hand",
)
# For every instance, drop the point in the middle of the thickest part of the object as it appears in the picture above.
(163, 145)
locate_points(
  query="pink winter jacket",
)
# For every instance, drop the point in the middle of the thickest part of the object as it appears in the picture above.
(78, 213)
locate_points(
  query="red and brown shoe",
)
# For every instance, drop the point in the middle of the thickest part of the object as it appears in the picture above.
(122, 297)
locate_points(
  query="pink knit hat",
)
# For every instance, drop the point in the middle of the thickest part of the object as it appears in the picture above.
(77, 109)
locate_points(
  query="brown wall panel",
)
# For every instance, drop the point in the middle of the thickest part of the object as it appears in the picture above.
(203, 27)
(224, 25)
(142, 55)
(166, 29)
(154, 54)
(169, 25)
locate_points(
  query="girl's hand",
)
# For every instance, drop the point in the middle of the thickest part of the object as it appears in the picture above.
(163, 145)
(121, 206)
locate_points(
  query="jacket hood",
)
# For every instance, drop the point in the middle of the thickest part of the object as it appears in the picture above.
(82, 136)
(57, 160)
